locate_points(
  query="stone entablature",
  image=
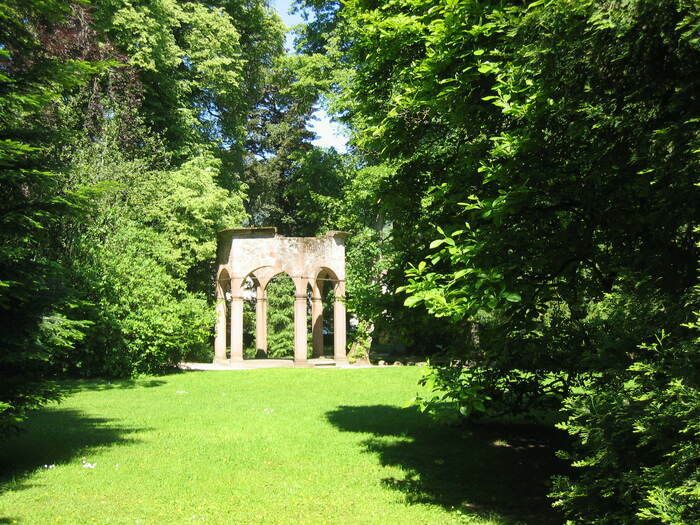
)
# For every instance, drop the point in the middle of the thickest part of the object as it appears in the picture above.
(260, 254)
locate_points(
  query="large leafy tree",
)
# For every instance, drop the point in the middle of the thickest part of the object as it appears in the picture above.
(123, 128)
(542, 196)
(201, 64)
(283, 168)
(35, 304)
(391, 224)
(142, 259)
(167, 159)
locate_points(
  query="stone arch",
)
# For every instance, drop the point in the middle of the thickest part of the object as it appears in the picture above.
(261, 253)
(325, 277)
(279, 301)
(326, 272)
(223, 274)
(264, 273)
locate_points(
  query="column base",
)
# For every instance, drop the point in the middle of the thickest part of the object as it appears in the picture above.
(235, 360)
(341, 360)
(221, 361)
(298, 363)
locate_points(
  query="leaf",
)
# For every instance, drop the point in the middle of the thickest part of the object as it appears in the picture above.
(512, 297)
(412, 300)
(460, 274)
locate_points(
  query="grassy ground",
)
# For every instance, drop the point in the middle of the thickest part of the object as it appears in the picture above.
(266, 446)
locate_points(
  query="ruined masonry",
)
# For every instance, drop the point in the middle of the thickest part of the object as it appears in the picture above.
(258, 254)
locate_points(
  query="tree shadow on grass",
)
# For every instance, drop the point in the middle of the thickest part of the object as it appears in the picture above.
(490, 470)
(80, 385)
(55, 436)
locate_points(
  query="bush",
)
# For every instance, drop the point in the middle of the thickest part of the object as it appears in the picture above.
(143, 262)
(637, 440)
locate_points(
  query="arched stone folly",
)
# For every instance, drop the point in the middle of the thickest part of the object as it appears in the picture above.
(260, 254)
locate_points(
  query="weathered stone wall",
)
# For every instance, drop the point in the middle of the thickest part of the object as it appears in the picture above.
(261, 253)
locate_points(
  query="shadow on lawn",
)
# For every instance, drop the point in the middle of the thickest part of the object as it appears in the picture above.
(479, 470)
(80, 385)
(55, 436)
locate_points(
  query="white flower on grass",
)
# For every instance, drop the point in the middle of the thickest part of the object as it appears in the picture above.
(49, 466)
(88, 465)
(182, 392)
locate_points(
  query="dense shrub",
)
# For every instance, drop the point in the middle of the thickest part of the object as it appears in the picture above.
(37, 310)
(143, 261)
(637, 452)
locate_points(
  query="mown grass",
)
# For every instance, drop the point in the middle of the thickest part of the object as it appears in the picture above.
(266, 446)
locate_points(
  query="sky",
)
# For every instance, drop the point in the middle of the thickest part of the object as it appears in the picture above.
(329, 133)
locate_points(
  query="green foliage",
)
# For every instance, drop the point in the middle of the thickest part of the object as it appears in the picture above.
(638, 437)
(198, 79)
(144, 258)
(540, 191)
(287, 176)
(36, 308)
(280, 317)
(122, 122)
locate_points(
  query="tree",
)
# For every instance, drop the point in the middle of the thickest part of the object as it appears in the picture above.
(35, 304)
(542, 200)
(199, 81)
(123, 133)
(143, 259)
(280, 153)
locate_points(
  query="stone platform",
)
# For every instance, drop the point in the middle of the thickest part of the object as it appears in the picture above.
(252, 364)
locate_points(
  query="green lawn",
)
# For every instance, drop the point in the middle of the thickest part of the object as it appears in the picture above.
(266, 446)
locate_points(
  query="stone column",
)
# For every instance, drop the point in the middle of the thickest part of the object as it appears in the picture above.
(300, 335)
(317, 318)
(236, 322)
(261, 320)
(339, 323)
(220, 339)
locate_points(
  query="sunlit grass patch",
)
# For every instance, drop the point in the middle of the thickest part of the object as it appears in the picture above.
(263, 446)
